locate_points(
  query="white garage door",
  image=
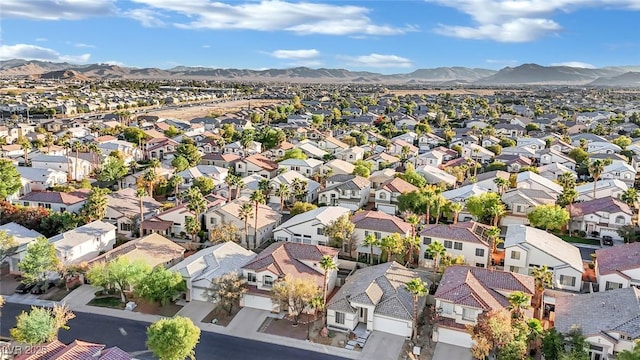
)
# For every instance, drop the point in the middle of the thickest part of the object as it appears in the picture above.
(392, 326)
(387, 209)
(199, 294)
(450, 336)
(258, 302)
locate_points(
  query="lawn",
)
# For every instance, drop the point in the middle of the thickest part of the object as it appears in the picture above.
(108, 302)
(579, 240)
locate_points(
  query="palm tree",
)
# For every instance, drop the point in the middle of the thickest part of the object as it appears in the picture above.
(518, 301)
(630, 197)
(25, 145)
(93, 150)
(418, 289)
(412, 242)
(150, 177)
(497, 211)
(258, 198)
(493, 235)
(284, 192)
(413, 220)
(543, 278)
(76, 146)
(455, 207)
(176, 180)
(567, 198)
(230, 180)
(239, 186)
(392, 244)
(501, 183)
(567, 180)
(596, 168)
(327, 264)
(245, 212)
(371, 240)
(265, 186)
(475, 161)
(154, 164)
(48, 140)
(140, 193)
(439, 202)
(436, 251)
(67, 147)
(428, 193)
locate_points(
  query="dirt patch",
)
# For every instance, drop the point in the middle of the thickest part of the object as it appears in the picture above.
(55, 294)
(195, 111)
(479, 92)
(221, 316)
(146, 307)
(284, 327)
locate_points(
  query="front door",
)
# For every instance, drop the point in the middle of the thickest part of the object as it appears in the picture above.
(363, 315)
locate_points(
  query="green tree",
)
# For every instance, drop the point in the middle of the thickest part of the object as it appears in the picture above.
(370, 240)
(204, 184)
(552, 344)
(173, 338)
(455, 208)
(622, 141)
(192, 227)
(543, 278)
(120, 273)
(41, 325)
(392, 244)
(518, 302)
(418, 289)
(485, 206)
(326, 264)
(412, 177)
(297, 293)
(361, 171)
(172, 132)
(227, 290)
(283, 192)
(596, 168)
(134, 135)
(9, 179)
(498, 335)
(294, 154)
(96, 206)
(8, 245)
(258, 199)
(245, 212)
(180, 163)
(59, 222)
(436, 251)
(113, 169)
(340, 233)
(189, 152)
(549, 217)
(226, 231)
(633, 354)
(39, 259)
(301, 207)
(160, 285)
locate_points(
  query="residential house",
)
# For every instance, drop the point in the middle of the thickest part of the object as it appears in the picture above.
(23, 237)
(477, 153)
(603, 188)
(467, 239)
(306, 167)
(435, 175)
(154, 249)
(601, 217)
(75, 350)
(54, 200)
(377, 298)
(37, 179)
(465, 292)
(487, 180)
(620, 171)
(531, 180)
(256, 164)
(237, 148)
(554, 171)
(159, 148)
(527, 248)
(350, 191)
(199, 270)
(123, 210)
(337, 166)
(352, 154)
(607, 320)
(267, 220)
(618, 266)
(383, 160)
(377, 178)
(226, 161)
(332, 145)
(85, 242)
(379, 225)
(285, 259)
(308, 227)
(386, 195)
(63, 163)
(551, 156)
(288, 178)
(429, 141)
(602, 147)
(311, 149)
(520, 202)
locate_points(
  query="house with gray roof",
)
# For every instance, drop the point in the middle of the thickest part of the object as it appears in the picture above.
(85, 242)
(609, 320)
(350, 191)
(23, 237)
(201, 268)
(376, 297)
(527, 248)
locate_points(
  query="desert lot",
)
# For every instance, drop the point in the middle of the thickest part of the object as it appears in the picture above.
(190, 112)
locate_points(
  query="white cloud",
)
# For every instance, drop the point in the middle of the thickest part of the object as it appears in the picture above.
(147, 17)
(56, 10)
(33, 52)
(576, 64)
(276, 15)
(517, 20)
(296, 54)
(377, 61)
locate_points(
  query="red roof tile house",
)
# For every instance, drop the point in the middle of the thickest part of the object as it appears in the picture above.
(77, 350)
(618, 266)
(386, 196)
(378, 224)
(257, 164)
(468, 239)
(282, 259)
(466, 292)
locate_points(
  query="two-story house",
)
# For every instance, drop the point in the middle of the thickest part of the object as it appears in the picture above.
(602, 216)
(620, 171)
(350, 191)
(288, 178)
(618, 266)
(386, 194)
(35, 179)
(123, 210)
(85, 242)
(527, 248)
(465, 292)
(378, 224)
(520, 202)
(467, 239)
(280, 260)
(308, 227)
(306, 167)
(256, 164)
(531, 180)
(603, 189)
(23, 237)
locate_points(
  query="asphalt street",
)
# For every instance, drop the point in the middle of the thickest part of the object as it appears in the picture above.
(130, 336)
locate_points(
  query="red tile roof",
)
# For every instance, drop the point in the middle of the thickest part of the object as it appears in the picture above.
(397, 185)
(469, 231)
(618, 258)
(377, 220)
(606, 204)
(263, 162)
(52, 197)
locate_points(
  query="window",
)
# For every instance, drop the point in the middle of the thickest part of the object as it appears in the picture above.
(320, 231)
(213, 221)
(567, 280)
(519, 208)
(62, 209)
(515, 255)
(267, 280)
(514, 269)
(26, 203)
(457, 245)
(251, 277)
(613, 285)
(47, 206)
(339, 318)
(426, 240)
(448, 244)
(447, 308)
(620, 219)
(479, 252)
(468, 314)
(382, 195)
(377, 235)
(480, 265)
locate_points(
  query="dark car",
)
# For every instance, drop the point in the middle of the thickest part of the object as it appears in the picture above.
(607, 240)
(24, 288)
(40, 289)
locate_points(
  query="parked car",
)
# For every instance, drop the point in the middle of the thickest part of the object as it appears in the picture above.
(40, 289)
(607, 240)
(24, 288)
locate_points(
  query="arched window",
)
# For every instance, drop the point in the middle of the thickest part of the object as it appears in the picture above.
(620, 219)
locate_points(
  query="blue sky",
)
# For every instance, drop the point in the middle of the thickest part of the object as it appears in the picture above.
(381, 36)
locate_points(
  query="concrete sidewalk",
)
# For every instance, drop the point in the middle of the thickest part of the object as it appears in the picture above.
(244, 325)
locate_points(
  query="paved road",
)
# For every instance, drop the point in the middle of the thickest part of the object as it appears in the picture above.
(130, 336)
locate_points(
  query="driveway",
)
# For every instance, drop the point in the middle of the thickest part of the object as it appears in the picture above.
(381, 345)
(450, 352)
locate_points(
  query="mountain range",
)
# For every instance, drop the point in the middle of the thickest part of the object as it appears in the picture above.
(525, 74)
